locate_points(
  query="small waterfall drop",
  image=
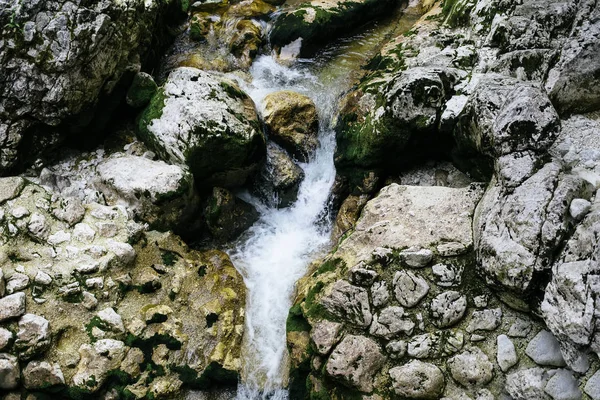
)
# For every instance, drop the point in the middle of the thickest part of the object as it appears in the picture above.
(275, 252)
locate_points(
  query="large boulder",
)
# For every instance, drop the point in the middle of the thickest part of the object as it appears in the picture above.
(205, 122)
(66, 65)
(227, 216)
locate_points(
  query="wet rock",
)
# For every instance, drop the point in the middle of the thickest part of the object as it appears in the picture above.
(33, 336)
(9, 372)
(158, 193)
(348, 215)
(390, 322)
(12, 306)
(418, 380)
(325, 334)
(42, 375)
(409, 288)
(355, 361)
(563, 386)
(448, 308)
(219, 139)
(351, 303)
(507, 355)
(228, 216)
(293, 123)
(527, 384)
(471, 368)
(279, 178)
(544, 349)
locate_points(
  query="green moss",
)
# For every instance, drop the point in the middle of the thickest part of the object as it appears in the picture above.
(329, 266)
(141, 91)
(95, 322)
(233, 91)
(457, 12)
(169, 258)
(213, 374)
(153, 111)
(295, 321)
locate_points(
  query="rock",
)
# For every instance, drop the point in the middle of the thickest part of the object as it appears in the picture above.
(527, 384)
(325, 334)
(9, 372)
(520, 328)
(544, 349)
(157, 193)
(416, 258)
(12, 306)
(396, 349)
(42, 278)
(380, 294)
(42, 375)
(131, 364)
(471, 368)
(389, 323)
(228, 216)
(451, 249)
(592, 386)
(97, 361)
(351, 303)
(423, 346)
(447, 275)
(293, 123)
(16, 283)
(563, 386)
(579, 208)
(33, 336)
(448, 308)
(507, 355)
(10, 188)
(148, 280)
(355, 362)
(409, 288)
(141, 90)
(6, 337)
(418, 380)
(113, 321)
(485, 320)
(89, 301)
(220, 139)
(348, 215)
(279, 179)
(61, 74)
(361, 276)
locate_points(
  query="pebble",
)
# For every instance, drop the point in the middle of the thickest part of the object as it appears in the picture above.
(507, 355)
(545, 350)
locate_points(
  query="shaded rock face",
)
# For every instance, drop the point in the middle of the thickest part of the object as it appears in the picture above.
(96, 313)
(206, 123)
(228, 216)
(66, 64)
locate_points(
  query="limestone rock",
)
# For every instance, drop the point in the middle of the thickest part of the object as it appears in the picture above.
(507, 355)
(527, 384)
(12, 306)
(409, 288)
(41, 375)
(544, 349)
(325, 334)
(33, 336)
(348, 302)
(418, 380)
(448, 308)
(471, 368)
(97, 361)
(563, 386)
(9, 372)
(355, 361)
(390, 322)
(141, 90)
(228, 216)
(485, 320)
(113, 321)
(6, 337)
(206, 123)
(293, 122)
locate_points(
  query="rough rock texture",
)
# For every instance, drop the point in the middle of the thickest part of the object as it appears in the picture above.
(205, 122)
(227, 216)
(65, 67)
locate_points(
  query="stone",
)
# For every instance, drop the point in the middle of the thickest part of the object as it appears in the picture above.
(358, 275)
(409, 288)
(448, 308)
(42, 375)
(292, 121)
(447, 275)
(325, 334)
(544, 349)
(37, 226)
(6, 338)
(42, 278)
(355, 361)
(592, 386)
(520, 328)
(228, 216)
(148, 280)
(220, 140)
(84, 233)
(113, 321)
(416, 258)
(157, 314)
(10, 374)
(471, 368)
(12, 306)
(133, 360)
(380, 293)
(451, 249)
(418, 380)
(97, 361)
(485, 320)
(141, 90)
(10, 188)
(527, 384)
(17, 282)
(33, 336)
(423, 346)
(396, 349)
(279, 178)
(579, 208)
(351, 303)
(563, 386)
(507, 355)
(390, 322)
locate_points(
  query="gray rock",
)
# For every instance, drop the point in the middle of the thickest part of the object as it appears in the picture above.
(6, 337)
(423, 346)
(355, 361)
(207, 123)
(448, 308)
(527, 384)
(42, 278)
(447, 275)
(451, 249)
(97, 361)
(12, 306)
(9, 372)
(579, 208)
(409, 288)
(17, 282)
(544, 349)
(390, 322)
(563, 386)
(113, 321)
(507, 355)
(351, 303)
(416, 258)
(396, 349)
(41, 375)
(471, 368)
(33, 336)
(592, 386)
(520, 328)
(362, 276)
(485, 320)
(418, 380)
(325, 334)
(380, 293)
(10, 188)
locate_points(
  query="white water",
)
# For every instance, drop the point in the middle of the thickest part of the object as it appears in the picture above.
(276, 251)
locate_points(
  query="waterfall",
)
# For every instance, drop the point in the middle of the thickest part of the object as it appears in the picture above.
(276, 251)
